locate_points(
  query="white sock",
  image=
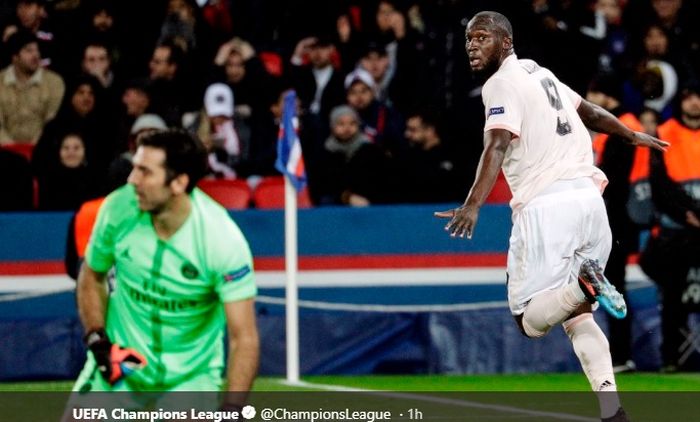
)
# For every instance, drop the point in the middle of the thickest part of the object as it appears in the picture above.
(551, 308)
(593, 352)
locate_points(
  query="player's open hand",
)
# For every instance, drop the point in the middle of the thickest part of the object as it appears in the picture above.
(646, 140)
(462, 220)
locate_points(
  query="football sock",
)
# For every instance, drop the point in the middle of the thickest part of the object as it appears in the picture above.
(550, 308)
(593, 352)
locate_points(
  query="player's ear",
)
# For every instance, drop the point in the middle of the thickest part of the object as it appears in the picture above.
(179, 183)
(507, 43)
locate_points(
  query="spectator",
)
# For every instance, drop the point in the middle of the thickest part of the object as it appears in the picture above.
(121, 166)
(406, 52)
(80, 113)
(237, 65)
(29, 95)
(614, 36)
(616, 160)
(355, 171)
(654, 80)
(263, 149)
(31, 16)
(99, 25)
(349, 38)
(184, 25)
(135, 102)
(169, 94)
(426, 171)
(649, 120)
(66, 181)
(318, 84)
(670, 258)
(564, 27)
(677, 17)
(96, 61)
(391, 88)
(380, 122)
(215, 126)
(375, 61)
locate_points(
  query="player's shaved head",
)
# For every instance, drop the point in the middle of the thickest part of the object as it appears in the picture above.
(489, 41)
(494, 21)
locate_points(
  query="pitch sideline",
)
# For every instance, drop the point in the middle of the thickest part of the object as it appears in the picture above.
(442, 400)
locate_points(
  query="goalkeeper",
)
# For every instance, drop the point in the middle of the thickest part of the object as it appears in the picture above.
(183, 272)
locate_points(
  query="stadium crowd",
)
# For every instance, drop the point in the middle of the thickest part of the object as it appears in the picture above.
(82, 78)
(389, 111)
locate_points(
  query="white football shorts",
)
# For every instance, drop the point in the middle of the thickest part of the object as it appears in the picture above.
(552, 235)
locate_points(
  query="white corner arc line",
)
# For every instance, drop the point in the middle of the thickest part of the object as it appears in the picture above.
(443, 400)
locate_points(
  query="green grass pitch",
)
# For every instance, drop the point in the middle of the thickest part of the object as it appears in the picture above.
(573, 382)
(528, 397)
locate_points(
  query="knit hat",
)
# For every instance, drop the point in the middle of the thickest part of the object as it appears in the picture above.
(148, 121)
(343, 110)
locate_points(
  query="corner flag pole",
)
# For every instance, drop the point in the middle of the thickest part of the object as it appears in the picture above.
(291, 163)
(292, 294)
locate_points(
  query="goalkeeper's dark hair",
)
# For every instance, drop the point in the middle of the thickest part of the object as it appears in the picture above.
(184, 154)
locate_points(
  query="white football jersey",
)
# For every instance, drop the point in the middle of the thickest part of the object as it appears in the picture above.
(550, 142)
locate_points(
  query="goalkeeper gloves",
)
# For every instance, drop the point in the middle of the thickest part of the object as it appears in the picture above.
(113, 361)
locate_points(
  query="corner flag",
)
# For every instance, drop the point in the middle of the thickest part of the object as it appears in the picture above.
(289, 158)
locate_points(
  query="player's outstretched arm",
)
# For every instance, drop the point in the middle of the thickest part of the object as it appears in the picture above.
(600, 120)
(463, 219)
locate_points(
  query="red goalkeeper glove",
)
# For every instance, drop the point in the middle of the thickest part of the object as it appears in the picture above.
(113, 361)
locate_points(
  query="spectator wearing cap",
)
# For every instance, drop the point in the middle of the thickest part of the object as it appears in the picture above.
(216, 127)
(319, 85)
(380, 122)
(121, 166)
(29, 95)
(355, 171)
(143, 124)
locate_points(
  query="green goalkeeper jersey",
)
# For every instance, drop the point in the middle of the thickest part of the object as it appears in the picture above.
(168, 295)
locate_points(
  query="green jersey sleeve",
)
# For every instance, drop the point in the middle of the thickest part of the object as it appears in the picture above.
(235, 276)
(232, 261)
